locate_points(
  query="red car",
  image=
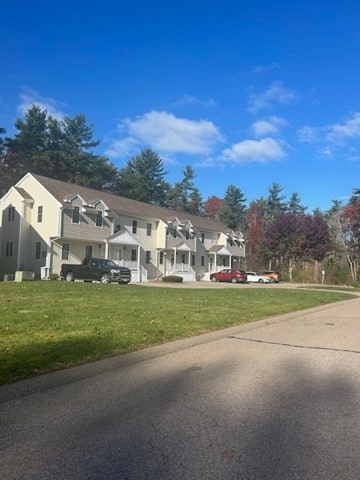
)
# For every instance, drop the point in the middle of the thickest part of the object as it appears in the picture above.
(229, 275)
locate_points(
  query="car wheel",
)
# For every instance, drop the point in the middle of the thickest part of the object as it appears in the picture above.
(261, 280)
(105, 278)
(69, 277)
(213, 279)
(233, 280)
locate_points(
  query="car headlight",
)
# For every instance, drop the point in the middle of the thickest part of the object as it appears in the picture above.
(114, 271)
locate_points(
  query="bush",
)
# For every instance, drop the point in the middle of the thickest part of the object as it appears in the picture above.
(173, 278)
(337, 273)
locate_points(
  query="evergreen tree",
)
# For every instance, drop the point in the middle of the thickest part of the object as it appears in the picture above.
(184, 195)
(233, 211)
(275, 201)
(143, 179)
(56, 148)
(294, 205)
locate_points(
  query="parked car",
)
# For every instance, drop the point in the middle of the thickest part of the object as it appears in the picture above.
(254, 277)
(95, 269)
(229, 275)
(272, 274)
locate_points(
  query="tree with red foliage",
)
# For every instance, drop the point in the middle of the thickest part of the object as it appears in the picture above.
(293, 237)
(350, 222)
(255, 221)
(212, 206)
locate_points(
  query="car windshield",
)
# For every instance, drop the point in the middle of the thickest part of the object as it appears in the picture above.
(108, 263)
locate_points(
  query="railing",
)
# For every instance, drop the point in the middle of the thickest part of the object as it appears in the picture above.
(181, 267)
(127, 263)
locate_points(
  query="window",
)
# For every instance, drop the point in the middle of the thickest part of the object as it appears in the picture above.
(187, 234)
(148, 229)
(202, 260)
(133, 255)
(117, 228)
(88, 251)
(76, 215)
(9, 249)
(134, 226)
(161, 260)
(11, 214)
(99, 218)
(193, 260)
(147, 256)
(202, 237)
(40, 214)
(65, 251)
(37, 250)
(174, 234)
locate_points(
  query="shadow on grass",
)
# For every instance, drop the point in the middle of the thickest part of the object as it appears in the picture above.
(49, 355)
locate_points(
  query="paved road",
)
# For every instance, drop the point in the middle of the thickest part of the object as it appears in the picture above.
(279, 399)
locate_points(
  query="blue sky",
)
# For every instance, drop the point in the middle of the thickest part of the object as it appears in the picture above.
(247, 92)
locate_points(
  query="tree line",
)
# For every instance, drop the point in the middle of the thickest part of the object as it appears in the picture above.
(279, 234)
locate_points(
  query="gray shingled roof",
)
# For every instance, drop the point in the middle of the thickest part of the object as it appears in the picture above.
(23, 193)
(62, 190)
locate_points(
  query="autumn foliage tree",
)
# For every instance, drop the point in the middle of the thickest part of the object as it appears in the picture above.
(293, 237)
(212, 206)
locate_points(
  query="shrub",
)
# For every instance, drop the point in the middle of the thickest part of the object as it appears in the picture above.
(173, 278)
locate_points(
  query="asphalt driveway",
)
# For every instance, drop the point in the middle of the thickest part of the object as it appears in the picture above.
(277, 399)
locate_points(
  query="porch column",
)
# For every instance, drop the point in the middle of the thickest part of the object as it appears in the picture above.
(106, 249)
(138, 262)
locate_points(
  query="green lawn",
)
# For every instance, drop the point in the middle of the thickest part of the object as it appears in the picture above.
(46, 326)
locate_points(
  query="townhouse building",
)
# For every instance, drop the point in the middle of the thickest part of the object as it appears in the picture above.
(46, 222)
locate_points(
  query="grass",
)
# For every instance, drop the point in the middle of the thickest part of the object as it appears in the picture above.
(46, 326)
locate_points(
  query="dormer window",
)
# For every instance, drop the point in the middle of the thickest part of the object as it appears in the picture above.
(99, 218)
(11, 214)
(76, 215)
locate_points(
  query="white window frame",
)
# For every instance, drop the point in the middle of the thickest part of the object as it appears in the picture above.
(40, 212)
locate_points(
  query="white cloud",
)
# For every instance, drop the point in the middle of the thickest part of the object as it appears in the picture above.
(169, 134)
(277, 93)
(122, 148)
(248, 151)
(308, 134)
(326, 152)
(270, 126)
(30, 97)
(191, 100)
(341, 131)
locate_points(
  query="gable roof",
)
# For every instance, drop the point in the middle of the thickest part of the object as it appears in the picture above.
(62, 190)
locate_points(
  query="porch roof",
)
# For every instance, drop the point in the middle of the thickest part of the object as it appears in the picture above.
(219, 249)
(123, 238)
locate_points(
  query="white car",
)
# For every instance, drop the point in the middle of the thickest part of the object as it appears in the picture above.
(253, 277)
